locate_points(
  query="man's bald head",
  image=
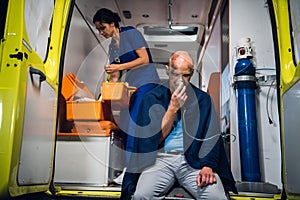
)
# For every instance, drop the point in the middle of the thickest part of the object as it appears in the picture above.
(179, 57)
(180, 69)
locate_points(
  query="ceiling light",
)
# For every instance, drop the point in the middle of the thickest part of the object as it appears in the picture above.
(179, 27)
(174, 30)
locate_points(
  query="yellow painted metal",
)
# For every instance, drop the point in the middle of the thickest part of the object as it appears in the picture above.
(11, 94)
(94, 194)
(61, 13)
(254, 197)
(13, 77)
(290, 71)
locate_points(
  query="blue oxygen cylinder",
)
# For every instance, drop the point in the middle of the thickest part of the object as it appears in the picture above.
(245, 85)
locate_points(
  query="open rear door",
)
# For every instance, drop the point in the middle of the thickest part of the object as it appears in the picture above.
(28, 95)
(287, 28)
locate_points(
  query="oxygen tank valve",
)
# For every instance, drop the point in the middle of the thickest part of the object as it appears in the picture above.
(244, 49)
(244, 69)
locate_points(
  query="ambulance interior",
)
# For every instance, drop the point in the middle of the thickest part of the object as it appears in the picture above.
(88, 153)
(82, 140)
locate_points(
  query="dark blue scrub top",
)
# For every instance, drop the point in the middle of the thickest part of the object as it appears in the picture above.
(130, 40)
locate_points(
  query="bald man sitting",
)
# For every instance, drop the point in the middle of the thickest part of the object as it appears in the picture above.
(180, 139)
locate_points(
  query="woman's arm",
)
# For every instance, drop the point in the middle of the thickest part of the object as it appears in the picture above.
(142, 59)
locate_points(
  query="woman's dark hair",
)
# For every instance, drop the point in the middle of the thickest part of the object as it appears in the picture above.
(105, 15)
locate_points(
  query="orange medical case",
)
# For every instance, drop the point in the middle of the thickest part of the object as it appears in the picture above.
(88, 115)
(84, 110)
(72, 86)
(118, 93)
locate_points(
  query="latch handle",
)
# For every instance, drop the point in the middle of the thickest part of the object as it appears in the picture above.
(38, 72)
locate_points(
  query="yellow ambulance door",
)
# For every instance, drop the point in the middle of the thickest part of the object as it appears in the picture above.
(287, 13)
(28, 94)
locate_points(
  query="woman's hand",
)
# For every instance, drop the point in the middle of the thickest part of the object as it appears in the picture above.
(112, 68)
(113, 72)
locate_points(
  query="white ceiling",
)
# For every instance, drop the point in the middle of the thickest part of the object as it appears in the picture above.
(183, 12)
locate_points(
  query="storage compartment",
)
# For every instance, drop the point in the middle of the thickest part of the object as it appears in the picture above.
(84, 110)
(103, 128)
(82, 160)
(89, 153)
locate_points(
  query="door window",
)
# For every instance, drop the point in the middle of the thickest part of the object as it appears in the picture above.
(3, 11)
(38, 15)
